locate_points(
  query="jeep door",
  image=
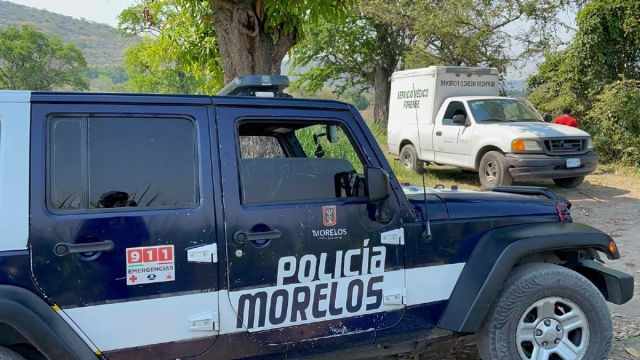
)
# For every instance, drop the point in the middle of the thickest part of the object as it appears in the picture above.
(308, 258)
(119, 197)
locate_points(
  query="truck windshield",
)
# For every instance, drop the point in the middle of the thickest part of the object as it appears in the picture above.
(507, 110)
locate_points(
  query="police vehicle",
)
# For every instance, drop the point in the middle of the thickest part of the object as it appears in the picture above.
(253, 225)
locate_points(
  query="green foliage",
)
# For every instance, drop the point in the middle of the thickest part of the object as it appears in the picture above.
(31, 60)
(606, 45)
(100, 43)
(615, 122)
(343, 149)
(357, 99)
(376, 34)
(597, 77)
(381, 36)
(160, 63)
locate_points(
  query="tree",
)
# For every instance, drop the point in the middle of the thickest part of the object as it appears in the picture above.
(361, 54)
(607, 43)
(389, 35)
(156, 63)
(598, 76)
(253, 36)
(31, 60)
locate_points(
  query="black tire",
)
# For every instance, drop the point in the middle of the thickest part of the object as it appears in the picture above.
(28, 352)
(540, 282)
(6, 354)
(409, 159)
(494, 170)
(569, 183)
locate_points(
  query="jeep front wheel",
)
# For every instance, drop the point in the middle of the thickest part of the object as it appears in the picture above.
(409, 159)
(494, 170)
(546, 312)
(6, 354)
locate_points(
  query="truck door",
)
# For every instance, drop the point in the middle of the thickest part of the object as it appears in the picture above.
(123, 225)
(452, 141)
(309, 255)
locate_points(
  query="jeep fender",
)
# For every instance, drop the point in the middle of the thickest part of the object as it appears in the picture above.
(494, 256)
(39, 323)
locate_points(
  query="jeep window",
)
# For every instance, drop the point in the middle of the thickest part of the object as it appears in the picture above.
(260, 147)
(114, 162)
(308, 167)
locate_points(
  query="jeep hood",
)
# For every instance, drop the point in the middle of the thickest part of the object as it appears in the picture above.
(537, 129)
(468, 204)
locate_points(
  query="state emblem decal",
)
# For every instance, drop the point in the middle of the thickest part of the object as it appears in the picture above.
(329, 217)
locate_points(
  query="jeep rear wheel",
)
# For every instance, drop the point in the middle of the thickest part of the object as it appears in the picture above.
(494, 170)
(546, 312)
(409, 159)
(569, 183)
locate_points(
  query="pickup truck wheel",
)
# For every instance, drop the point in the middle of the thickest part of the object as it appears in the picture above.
(409, 159)
(569, 183)
(6, 354)
(546, 312)
(494, 170)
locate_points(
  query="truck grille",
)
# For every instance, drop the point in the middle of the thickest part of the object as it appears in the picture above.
(562, 146)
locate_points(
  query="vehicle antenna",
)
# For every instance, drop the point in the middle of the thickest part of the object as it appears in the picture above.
(426, 234)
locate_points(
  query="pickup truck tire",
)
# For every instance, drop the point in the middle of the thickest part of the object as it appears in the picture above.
(569, 183)
(546, 311)
(494, 170)
(409, 159)
(6, 354)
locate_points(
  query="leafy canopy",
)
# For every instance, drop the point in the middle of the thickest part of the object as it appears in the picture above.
(31, 60)
(160, 62)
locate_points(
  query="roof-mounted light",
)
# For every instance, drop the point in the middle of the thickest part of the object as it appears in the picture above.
(257, 85)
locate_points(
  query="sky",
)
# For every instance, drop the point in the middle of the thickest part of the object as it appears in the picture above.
(102, 11)
(106, 12)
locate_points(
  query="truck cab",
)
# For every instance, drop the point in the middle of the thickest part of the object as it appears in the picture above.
(254, 225)
(458, 119)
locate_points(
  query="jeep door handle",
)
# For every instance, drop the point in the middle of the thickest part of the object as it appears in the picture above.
(241, 237)
(63, 249)
(438, 133)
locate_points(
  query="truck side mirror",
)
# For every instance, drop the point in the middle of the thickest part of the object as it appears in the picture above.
(332, 134)
(460, 119)
(378, 184)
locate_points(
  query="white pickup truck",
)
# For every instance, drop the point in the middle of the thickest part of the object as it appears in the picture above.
(454, 116)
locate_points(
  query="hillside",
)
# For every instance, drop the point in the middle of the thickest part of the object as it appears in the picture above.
(99, 43)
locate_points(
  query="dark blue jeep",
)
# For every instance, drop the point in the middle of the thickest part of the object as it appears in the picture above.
(254, 225)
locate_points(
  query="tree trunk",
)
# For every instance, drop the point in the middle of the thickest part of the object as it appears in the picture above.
(382, 85)
(245, 49)
(244, 46)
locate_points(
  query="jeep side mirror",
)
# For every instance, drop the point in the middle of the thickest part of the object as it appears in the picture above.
(378, 184)
(460, 119)
(332, 134)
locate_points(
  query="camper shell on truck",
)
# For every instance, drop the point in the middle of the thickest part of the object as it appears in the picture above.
(140, 226)
(455, 116)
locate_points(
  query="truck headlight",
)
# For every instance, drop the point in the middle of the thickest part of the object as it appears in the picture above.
(589, 144)
(525, 145)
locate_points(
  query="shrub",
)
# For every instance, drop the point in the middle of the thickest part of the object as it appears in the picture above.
(614, 123)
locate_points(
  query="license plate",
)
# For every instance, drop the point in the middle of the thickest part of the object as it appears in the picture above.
(573, 163)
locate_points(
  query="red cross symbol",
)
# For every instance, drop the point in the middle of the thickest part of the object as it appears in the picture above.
(133, 278)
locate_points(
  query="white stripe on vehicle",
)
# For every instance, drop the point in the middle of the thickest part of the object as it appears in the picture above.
(161, 320)
(15, 130)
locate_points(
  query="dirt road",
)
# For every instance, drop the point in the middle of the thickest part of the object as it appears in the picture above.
(609, 201)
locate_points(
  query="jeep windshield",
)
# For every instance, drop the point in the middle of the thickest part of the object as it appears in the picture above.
(502, 110)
